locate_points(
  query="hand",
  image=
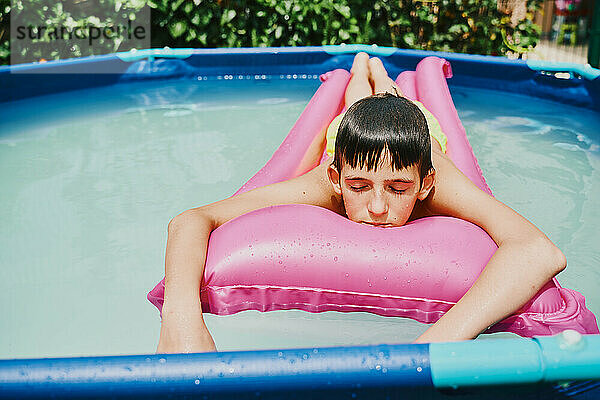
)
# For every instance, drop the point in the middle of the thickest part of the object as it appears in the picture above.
(183, 331)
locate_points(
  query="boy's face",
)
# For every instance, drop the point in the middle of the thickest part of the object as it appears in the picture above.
(383, 198)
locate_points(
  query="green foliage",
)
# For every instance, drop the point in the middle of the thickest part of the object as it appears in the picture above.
(466, 26)
(52, 15)
(4, 31)
(187, 23)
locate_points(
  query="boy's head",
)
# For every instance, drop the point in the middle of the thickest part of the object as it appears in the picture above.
(382, 162)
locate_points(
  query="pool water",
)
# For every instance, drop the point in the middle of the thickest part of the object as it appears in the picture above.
(91, 179)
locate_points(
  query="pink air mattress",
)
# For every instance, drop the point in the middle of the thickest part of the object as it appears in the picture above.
(309, 258)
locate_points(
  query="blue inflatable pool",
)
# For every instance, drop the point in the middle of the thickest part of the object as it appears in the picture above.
(566, 365)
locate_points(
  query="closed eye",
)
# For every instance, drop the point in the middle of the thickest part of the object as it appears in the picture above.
(363, 187)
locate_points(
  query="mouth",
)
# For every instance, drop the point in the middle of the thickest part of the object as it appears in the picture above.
(378, 224)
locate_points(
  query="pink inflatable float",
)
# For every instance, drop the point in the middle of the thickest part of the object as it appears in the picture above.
(309, 258)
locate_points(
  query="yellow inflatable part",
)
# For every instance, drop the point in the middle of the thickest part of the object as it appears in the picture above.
(435, 130)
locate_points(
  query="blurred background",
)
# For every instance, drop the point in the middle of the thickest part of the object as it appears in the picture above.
(554, 30)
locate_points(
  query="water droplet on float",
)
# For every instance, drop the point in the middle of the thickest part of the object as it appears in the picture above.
(328, 244)
(347, 275)
(335, 258)
(197, 381)
(305, 356)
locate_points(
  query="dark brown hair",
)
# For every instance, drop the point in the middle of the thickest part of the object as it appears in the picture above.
(384, 122)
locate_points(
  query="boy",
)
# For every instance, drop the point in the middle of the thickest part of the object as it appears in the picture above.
(386, 171)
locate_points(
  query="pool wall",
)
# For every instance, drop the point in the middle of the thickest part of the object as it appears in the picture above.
(526, 368)
(432, 370)
(563, 82)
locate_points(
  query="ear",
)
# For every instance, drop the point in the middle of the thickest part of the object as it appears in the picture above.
(427, 185)
(334, 178)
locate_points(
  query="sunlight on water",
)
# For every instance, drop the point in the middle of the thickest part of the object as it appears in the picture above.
(543, 160)
(91, 179)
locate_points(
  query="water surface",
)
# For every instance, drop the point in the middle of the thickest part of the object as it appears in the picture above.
(91, 179)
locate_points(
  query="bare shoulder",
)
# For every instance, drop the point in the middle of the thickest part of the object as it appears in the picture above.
(312, 188)
(451, 185)
(456, 196)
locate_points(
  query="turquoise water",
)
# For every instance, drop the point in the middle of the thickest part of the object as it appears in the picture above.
(91, 179)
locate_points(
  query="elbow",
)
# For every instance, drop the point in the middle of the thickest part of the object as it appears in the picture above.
(189, 218)
(559, 259)
(555, 259)
(543, 254)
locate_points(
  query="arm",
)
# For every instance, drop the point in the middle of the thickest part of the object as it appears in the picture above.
(525, 260)
(183, 328)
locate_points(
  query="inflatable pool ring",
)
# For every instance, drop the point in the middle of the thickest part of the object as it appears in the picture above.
(309, 258)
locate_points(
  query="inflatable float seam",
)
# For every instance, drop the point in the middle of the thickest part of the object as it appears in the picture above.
(545, 316)
(327, 306)
(539, 316)
(307, 289)
(559, 314)
(414, 313)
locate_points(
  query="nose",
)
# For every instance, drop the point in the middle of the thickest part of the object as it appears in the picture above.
(378, 205)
